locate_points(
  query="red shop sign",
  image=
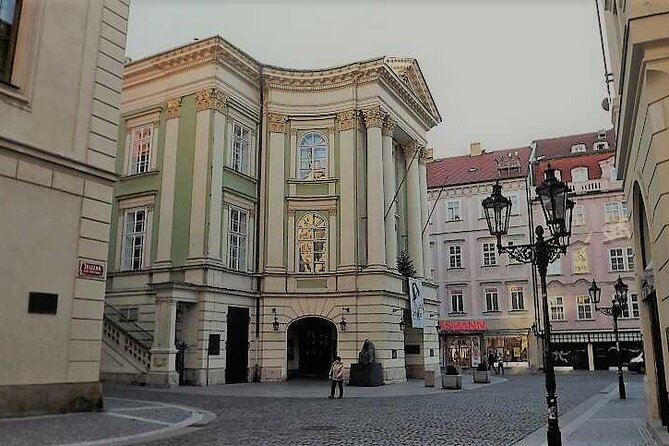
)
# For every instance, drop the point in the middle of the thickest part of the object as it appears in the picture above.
(468, 325)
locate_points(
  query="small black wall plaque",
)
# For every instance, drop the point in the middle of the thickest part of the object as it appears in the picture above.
(412, 349)
(214, 344)
(42, 303)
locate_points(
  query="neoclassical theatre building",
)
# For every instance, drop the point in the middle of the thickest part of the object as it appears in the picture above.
(258, 218)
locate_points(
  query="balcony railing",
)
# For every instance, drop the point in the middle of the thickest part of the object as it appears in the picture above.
(584, 187)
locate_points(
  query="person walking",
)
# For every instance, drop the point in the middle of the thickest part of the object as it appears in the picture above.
(491, 361)
(337, 377)
(500, 363)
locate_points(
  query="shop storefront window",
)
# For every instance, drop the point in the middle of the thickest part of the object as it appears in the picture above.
(513, 348)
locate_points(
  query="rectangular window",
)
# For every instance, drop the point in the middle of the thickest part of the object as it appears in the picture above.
(579, 174)
(237, 235)
(630, 259)
(239, 155)
(515, 203)
(580, 261)
(556, 305)
(555, 268)
(141, 140)
(517, 298)
(134, 239)
(579, 215)
(129, 314)
(632, 304)
(10, 11)
(489, 254)
(616, 259)
(615, 211)
(455, 257)
(479, 206)
(583, 307)
(491, 299)
(457, 304)
(453, 210)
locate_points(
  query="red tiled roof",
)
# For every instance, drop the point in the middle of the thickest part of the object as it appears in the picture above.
(475, 169)
(561, 146)
(565, 164)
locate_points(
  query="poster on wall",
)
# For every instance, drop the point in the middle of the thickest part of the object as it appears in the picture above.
(476, 351)
(417, 304)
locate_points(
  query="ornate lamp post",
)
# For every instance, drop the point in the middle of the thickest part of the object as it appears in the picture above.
(557, 210)
(618, 305)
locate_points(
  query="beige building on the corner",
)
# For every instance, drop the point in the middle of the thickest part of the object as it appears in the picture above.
(638, 37)
(261, 210)
(60, 82)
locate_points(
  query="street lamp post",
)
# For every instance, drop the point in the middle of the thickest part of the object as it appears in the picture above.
(557, 208)
(618, 305)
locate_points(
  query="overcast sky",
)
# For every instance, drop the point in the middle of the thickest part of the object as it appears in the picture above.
(503, 72)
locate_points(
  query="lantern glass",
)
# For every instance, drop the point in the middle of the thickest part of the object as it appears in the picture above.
(621, 291)
(595, 292)
(553, 197)
(497, 209)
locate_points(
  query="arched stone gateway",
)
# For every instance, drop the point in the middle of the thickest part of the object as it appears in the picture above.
(311, 345)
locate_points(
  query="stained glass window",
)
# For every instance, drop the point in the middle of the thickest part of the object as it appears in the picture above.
(313, 156)
(312, 242)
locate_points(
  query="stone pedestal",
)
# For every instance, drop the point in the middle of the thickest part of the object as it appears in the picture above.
(366, 375)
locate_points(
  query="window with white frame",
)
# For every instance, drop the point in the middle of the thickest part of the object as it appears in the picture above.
(579, 174)
(479, 207)
(129, 314)
(312, 242)
(616, 259)
(555, 268)
(558, 174)
(615, 211)
(579, 215)
(455, 256)
(630, 258)
(583, 307)
(515, 203)
(632, 308)
(237, 239)
(457, 301)
(141, 142)
(556, 306)
(241, 148)
(517, 297)
(489, 254)
(313, 156)
(453, 210)
(134, 239)
(580, 261)
(578, 148)
(491, 299)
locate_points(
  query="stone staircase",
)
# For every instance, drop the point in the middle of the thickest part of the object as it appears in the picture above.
(126, 355)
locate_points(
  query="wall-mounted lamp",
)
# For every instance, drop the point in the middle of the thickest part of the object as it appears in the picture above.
(343, 323)
(275, 324)
(401, 323)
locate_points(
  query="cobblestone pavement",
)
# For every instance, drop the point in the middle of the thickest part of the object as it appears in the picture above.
(500, 414)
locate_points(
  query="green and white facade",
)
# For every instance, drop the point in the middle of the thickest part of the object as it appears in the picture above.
(266, 205)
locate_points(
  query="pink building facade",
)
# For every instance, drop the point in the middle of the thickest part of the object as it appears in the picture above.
(600, 249)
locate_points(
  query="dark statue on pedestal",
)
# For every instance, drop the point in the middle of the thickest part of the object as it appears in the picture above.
(367, 372)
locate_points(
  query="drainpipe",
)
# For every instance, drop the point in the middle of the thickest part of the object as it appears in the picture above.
(261, 132)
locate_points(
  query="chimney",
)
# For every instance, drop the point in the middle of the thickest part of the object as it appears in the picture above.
(475, 149)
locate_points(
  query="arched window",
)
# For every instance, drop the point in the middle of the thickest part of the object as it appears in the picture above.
(312, 242)
(313, 156)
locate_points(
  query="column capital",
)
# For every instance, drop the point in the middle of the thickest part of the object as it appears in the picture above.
(172, 108)
(277, 122)
(347, 120)
(210, 98)
(389, 126)
(411, 148)
(425, 155)
(374, 116)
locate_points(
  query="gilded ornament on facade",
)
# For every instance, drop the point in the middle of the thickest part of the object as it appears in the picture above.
(172, 107)
(347, 120)
(277, 122)
(210, 98)
(374, 116)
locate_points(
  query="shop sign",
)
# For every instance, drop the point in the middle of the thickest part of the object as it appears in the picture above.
(91, 269)
(468, 325)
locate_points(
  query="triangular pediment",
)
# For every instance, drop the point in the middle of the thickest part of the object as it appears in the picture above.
(408, 70)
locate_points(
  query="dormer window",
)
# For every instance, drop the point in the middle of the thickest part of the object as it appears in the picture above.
(578, 148)
(602, 145)
(601, 136)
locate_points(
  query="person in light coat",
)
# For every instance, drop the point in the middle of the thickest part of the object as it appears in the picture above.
(337, 377)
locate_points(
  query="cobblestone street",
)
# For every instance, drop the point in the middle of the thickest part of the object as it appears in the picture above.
(499, 414)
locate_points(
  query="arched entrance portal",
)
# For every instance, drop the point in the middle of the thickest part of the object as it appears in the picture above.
(311, 347)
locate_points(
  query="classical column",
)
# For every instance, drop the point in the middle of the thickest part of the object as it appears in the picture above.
(389, 207)
(275, 192)
(169, 168)
(414, 240)
(376, 239)
(347, 125)
(163, 353)
(424, 212)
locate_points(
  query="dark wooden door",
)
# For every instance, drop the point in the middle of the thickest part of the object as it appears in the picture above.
(316, 348)
(659, 358)
(237, 346)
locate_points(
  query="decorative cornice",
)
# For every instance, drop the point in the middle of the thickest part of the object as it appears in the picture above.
(374, 117)
(210, 98)
(172, 108)
(347, 120)
(277, 122)
(389, 126)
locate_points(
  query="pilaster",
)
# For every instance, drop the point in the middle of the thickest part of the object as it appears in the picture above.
(216, 192)
(163, 353)
(275, 192)
(347, 124)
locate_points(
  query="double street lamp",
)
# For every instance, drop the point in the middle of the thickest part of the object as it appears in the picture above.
(618, 305)
(557, 208)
